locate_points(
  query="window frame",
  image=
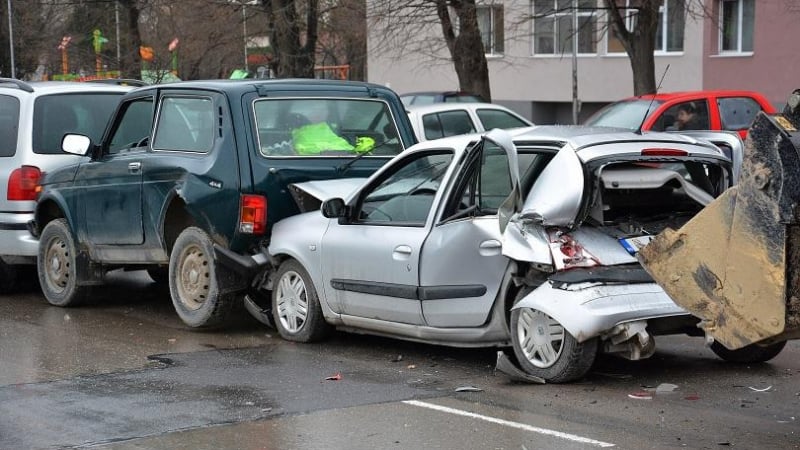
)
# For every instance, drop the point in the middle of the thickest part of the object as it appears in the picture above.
(664, 16)
(558, 48)
(740, 7)
(122, 111)
(496, 34)
(157, 121)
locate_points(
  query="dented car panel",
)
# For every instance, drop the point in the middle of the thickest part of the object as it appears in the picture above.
(736, 264)
(564, 175)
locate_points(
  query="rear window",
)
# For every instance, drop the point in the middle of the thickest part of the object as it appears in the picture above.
(626, 114)
(737, 113)
(9, 118)
(496, 118)
(56, 115)
(449, 123)
(302, 127)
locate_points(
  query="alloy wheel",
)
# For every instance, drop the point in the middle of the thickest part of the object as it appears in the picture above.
(541, 336)
(292, 301)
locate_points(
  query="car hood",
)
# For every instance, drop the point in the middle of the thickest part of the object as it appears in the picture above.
(310, 194)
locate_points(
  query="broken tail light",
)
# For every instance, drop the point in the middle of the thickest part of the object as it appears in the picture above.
(568, 253)
(253, 214)
(664, 152)
(23, 184)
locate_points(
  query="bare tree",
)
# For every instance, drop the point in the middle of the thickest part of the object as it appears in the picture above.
(404, 27)
(293, 42)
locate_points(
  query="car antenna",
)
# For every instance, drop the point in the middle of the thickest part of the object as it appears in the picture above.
(647, 111)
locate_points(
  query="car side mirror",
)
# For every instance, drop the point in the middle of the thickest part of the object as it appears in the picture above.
(76, 144)
(333, 208)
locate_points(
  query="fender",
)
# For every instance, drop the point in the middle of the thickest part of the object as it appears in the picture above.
(45, 202)
(587, 310)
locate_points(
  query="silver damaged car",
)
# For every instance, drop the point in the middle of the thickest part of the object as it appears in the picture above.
(524, 239)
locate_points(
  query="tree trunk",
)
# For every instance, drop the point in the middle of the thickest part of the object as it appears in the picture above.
(466, 48)
(639, 43)
(290, 57)
(131, 64)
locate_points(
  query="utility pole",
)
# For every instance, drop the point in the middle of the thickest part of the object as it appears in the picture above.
(575, 103)
(244, 33)
(11, 42)
(116, 24)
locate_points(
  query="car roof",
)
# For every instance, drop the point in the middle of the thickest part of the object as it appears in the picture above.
(438, 107)
(51, 87)
(578, 137)
(697, 94)
(436, 93)
(280, 84)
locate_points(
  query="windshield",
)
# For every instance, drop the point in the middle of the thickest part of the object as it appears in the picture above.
(325, 127)
(625, 114)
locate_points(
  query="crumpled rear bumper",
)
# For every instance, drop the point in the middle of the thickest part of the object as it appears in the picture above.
(587, 310)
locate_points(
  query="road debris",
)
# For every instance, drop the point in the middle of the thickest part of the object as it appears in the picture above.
(766, 389)
(641, 395)
(397, 358)
(468, 389)
(505, 365)
(336, 377)
(692, 397)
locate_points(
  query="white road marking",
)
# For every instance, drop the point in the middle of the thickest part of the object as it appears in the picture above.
(521, 426)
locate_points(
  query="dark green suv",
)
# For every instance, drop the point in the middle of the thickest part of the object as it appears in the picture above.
(182, 167)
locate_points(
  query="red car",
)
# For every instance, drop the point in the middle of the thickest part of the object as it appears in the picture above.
(698, 110)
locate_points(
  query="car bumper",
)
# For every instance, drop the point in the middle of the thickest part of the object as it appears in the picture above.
(15, 239)
(587, 311)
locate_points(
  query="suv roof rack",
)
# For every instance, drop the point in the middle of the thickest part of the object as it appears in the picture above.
(18, 83)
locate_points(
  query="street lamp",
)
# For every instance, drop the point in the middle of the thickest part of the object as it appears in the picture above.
(11, 41)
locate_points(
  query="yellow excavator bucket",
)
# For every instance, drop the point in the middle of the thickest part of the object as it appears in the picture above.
(736, 264)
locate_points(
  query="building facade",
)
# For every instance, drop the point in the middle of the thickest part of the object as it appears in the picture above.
(705, 44)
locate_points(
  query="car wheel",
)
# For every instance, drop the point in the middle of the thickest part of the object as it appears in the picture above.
(749, 354)
(56, 266)
(295, 305)
(193, 282)
(545, 349)
(8, 278)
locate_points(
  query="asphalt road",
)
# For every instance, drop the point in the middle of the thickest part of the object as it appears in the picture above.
(123, 373)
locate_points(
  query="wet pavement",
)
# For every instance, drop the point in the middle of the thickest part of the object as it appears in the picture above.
(123, 373)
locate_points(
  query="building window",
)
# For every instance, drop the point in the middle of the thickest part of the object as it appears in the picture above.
(671, 17)
(490, 22)
(553, 30)
(737, 18)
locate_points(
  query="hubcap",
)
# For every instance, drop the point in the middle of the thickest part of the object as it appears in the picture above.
(193, 277)
(292, 301)
(57, 265)
(541, 337)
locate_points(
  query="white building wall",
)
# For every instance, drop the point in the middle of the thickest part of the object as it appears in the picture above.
(518, 77)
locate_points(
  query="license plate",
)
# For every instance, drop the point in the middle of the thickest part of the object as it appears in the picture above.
(634, 244)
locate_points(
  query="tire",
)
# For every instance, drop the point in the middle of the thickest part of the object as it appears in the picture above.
(57, 267)
(752, 353)
(546, 350)
(295, 305)
(193, 282)
(8, 278)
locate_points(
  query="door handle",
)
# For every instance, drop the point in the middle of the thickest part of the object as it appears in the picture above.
(401, 252)
(134, 167)
(490, 247)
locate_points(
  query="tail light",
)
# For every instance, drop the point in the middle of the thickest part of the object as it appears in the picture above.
(23, 184)
(568, 253)
(253, 214)
(664, 152)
